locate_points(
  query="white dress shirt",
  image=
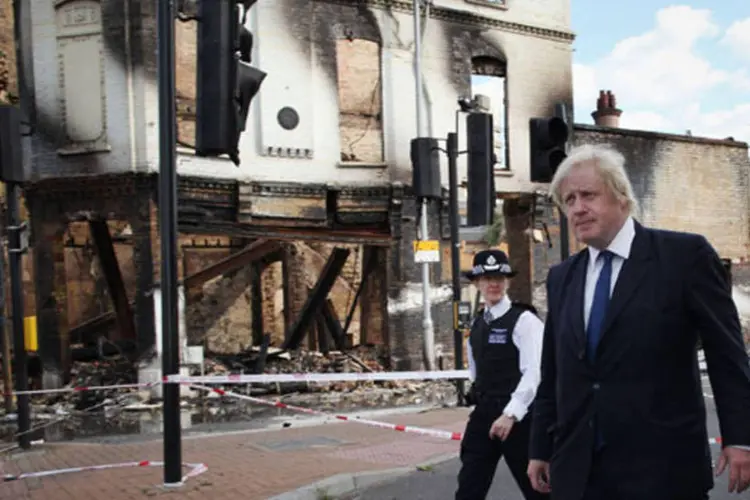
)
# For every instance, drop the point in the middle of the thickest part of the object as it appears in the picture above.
(620, 246)
(527, 337)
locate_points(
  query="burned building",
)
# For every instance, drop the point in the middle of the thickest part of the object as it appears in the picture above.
(312, 232)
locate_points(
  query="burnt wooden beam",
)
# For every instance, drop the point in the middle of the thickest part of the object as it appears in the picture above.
(323, 345)
(105, 250)
(286, 270)
(369, 266)
(334, 325)
(376, 236)
(260, 362)
(315, 300)
(256, 303)
(253, 252)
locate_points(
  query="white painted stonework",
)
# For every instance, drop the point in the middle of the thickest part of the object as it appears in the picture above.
(125, 103)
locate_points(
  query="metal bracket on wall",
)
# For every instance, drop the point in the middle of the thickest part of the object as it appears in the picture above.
(23, 238)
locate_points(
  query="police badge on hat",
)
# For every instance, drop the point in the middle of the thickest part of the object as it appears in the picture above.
(490, 263)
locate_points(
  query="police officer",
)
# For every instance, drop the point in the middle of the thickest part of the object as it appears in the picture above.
(504, 354)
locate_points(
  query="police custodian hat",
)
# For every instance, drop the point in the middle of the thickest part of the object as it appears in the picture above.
(490, 263)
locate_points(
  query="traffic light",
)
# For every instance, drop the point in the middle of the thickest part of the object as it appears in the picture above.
(547, 138)
(11, 151)
(425, 162)
(480, 169)
(226, 82)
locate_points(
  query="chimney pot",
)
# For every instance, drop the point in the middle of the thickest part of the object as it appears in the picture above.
(607, 114)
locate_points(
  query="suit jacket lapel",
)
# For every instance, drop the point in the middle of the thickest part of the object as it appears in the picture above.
(632, 273)
(575, 297)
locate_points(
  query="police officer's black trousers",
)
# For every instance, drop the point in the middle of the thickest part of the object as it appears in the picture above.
(480, 455)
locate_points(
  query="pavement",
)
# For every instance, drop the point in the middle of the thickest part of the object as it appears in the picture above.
(315, 459)
(291, 459)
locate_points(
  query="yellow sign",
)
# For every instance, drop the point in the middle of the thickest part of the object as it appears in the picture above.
(30, 333)
(427, 251)
(427, 246)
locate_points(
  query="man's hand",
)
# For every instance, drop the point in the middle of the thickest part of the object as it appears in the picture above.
(501, 427)
(538, 473)
(738, 461)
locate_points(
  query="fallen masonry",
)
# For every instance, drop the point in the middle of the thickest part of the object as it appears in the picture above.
(75, 415)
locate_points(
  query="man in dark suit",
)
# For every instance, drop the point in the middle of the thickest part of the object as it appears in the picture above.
(619, 413)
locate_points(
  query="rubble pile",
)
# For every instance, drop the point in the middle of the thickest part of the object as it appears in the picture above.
(80, 414)
(333, 395)
(115, 371)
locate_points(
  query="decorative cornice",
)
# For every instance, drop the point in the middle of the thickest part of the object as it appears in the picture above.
(464, 17)
(282, 189)
(366, 192)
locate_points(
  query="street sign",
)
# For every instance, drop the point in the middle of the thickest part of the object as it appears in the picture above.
(427, 251)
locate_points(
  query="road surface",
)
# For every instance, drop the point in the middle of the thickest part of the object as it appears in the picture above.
(439, 482)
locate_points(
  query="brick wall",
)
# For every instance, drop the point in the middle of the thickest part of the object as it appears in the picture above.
(686, 183)
(185, 72)
(360, 89)
(7, 51)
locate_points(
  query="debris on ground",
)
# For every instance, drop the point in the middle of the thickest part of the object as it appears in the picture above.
(80, 414)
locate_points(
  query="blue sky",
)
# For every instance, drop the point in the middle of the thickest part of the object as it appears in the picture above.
(674, 66)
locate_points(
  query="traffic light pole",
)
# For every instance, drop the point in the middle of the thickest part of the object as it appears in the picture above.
(168, 231)
(15, 254)
(15, 251)
(429, 328)
(458, 341)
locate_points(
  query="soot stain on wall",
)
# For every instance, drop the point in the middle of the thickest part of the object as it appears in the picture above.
(462, 44)
(336, 22)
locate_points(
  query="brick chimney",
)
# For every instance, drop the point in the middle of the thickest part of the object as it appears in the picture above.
(606, 114)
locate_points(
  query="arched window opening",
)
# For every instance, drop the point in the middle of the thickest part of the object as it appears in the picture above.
(489, 78)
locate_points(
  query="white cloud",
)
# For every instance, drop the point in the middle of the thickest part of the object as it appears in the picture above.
(659, 77)
(737, 38)
(646, 120)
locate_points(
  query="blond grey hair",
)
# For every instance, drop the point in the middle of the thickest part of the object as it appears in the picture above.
(610, 164)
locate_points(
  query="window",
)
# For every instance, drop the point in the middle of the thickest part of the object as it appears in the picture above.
(489, 79)
(360, 104)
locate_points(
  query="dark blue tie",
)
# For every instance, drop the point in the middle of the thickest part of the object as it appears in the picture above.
(599, 305)
(596, 321)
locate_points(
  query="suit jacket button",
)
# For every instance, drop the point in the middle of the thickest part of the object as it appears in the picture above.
(596, 386)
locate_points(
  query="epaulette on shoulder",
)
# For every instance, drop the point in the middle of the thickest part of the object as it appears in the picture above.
(525, 307)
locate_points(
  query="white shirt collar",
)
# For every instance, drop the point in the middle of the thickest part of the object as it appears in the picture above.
(501, 307)
(621, 244)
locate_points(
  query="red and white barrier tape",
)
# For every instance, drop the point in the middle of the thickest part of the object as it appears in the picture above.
(196, 469)
(455, 436)
(318, 377)
(88, 388)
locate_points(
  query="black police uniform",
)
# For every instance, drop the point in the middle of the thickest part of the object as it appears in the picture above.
(498, 373)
